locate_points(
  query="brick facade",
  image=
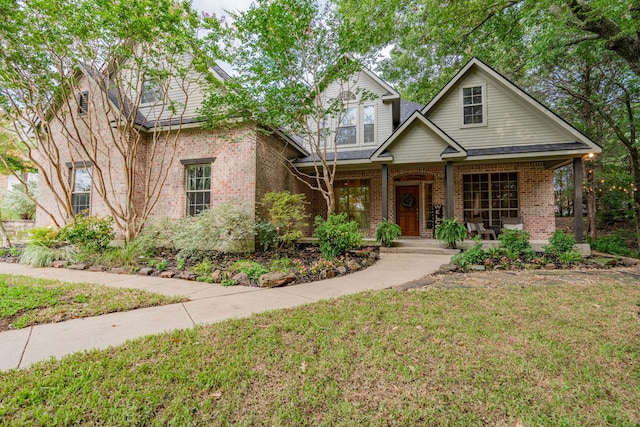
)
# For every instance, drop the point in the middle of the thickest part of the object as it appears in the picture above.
(535, 187)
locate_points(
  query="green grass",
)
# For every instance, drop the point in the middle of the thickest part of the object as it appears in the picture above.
(25, 301)
(535, 355)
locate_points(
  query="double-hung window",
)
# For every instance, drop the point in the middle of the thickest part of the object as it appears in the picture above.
(369, 113)
(347, 130)
(198, 188)
(474, 106)
(81, 189)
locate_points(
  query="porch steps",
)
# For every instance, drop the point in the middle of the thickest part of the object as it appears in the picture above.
(419, 246)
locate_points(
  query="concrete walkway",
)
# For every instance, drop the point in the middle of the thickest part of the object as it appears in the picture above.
(208, 303)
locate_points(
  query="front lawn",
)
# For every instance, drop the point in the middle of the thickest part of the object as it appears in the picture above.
(533, 352)
(25, 301)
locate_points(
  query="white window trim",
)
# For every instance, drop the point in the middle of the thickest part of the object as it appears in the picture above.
(375, 123)
(359, 126)
(484, 106)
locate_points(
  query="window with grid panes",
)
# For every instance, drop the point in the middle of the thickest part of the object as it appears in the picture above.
(81, 194)
(369, 124)
(490, 196)
(353, 199)
(473, 111)
(347, 133)
(198, 188)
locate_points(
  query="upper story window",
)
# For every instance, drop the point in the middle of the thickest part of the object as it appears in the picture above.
(151, 92)
(83, 102)
(347, 95)
(347, 130)
(369, 124)
(474, 106)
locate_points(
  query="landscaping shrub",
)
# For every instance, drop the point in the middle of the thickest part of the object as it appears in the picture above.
(473, 255)
(451, 231)
(89, 233)
(43, 256)
(251, 268)
(561, 249)
(287, 213)
(43, 236)
(337, 235)
(516, 245)
(127, 255)
(612, 244)
(284, 265)
(19, 202)
(266, 236)
(387, 232)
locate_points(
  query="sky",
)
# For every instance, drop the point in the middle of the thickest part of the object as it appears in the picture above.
(219, 6)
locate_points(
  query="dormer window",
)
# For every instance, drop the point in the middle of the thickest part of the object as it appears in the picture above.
(83, 102)
(347, 131)
(474, 106)
(151, 92)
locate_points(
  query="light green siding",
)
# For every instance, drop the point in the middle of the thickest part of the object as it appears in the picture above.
(417, 144)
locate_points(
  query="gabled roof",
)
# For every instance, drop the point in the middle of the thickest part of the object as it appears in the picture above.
(525, 97)
(452, 150)
(407, 108)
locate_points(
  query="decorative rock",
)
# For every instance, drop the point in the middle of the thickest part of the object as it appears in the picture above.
(216, 276)
(119, 270)
(330, 274)
(532, 266)
(187, 275)
(550, 266)
(476, 267)
(272, 280)
(323, 274)
(342, 270)
(353, 265)
(78, 266)
(167, 274)
(629, 262)
(146, 271)
(242, 279)
(98, 268)
(59, 264)
(447, 268)
(604, 262)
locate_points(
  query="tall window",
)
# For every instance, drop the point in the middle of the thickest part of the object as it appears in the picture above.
(198, 188)
(151, 92)
(347, 133)
(353, 199)
(473, 106)
(491, 196)
(83, 102)
(369, 124)
(81, 193)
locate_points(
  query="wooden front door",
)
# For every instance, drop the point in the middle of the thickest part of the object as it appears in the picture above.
(407, 209)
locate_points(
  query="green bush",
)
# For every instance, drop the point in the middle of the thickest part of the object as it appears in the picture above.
(43, 236)
(516, 244)
(612, 244)
(282, 264)
(19, 202)
(225, 228)
(251, 268)
(89, 233)
(287, 213)
(266, 236)
(451, 231)
(337, 235)
(387, 232)
(43, 256)
(473, 255)
(570, 257)
(127, 255)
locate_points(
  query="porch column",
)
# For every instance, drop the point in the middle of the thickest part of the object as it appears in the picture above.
(385, 191)
(578, 174)
(448, 190)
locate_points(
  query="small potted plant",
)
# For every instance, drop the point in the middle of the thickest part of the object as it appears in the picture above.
(451, 231)
(387, 232)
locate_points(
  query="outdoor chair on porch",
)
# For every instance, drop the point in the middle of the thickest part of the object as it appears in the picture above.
(475, 227)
